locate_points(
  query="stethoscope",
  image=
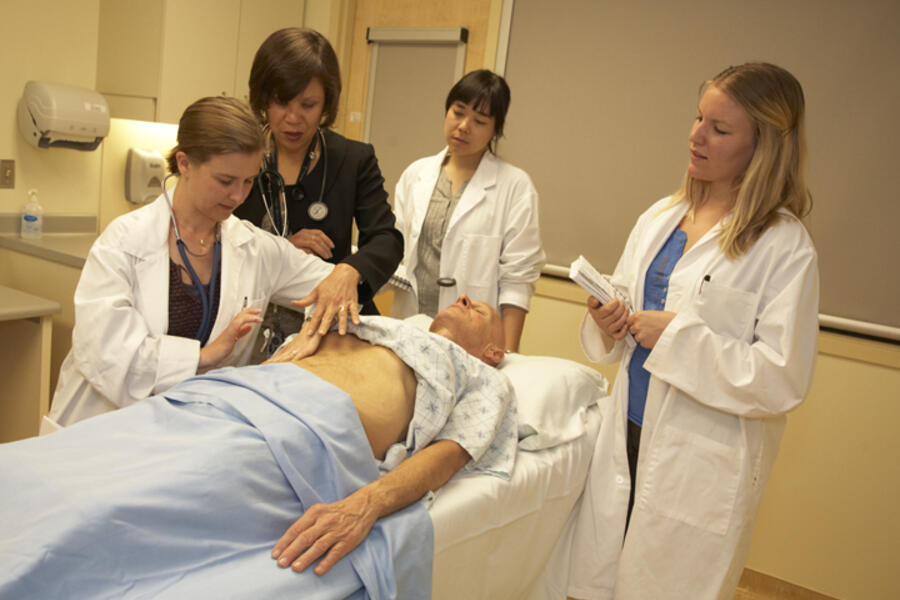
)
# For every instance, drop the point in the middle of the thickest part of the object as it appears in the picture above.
(273, 188)
(206, 296)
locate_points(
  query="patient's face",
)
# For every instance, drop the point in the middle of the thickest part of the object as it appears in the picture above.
(472, 324)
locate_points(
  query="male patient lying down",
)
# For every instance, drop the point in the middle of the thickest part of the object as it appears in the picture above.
(183, 494)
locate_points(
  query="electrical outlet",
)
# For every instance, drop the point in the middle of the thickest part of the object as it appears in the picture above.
(7, 173)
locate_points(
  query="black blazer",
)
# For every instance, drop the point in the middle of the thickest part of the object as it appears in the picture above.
(354, 189)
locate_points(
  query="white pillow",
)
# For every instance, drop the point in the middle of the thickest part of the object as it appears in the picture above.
(552, 396)
(421, 321)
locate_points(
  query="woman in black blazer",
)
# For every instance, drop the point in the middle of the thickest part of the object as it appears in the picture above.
(329, 181)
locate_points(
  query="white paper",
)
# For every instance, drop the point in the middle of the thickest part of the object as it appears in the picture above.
(599, 286)
(596, 284)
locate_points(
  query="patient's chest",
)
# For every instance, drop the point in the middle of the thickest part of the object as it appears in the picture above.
(382, 387)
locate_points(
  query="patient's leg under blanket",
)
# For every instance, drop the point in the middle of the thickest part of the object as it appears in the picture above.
(184, 495)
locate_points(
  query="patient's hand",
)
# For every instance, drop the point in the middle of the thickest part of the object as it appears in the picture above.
(304, 344)
(332, 530)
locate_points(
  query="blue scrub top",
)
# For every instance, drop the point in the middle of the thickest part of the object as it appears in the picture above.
(656, 287)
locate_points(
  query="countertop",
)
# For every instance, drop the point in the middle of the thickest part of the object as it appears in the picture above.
(19, 305)
(67, 248)
(67, 239)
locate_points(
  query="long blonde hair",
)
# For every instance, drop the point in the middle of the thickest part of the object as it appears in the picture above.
(774, 179)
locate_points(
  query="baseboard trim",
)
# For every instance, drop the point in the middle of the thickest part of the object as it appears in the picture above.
(766, 585)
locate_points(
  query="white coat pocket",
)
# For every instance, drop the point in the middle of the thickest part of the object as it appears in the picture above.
(726, 310)
(691, 478)
(478, 267)
(480, 258)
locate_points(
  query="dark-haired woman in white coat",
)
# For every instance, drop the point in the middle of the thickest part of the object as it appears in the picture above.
(469, 220)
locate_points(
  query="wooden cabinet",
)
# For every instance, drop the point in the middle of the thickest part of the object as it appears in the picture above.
(26, 325)
(155, 57)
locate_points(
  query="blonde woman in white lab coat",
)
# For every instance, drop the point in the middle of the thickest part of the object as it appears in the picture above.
(469, 220)
(140, 325)
(724, 284)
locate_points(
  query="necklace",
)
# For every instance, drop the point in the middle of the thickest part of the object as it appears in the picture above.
(197, 254)
(188, 249)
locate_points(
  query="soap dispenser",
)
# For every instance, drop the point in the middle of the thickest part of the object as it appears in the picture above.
(145, 171)
(32, 218)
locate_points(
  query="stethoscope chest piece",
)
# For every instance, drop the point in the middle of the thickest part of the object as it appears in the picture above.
(317, 211)
(275, 190)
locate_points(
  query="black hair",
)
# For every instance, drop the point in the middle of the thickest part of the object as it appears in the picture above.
(483, 89)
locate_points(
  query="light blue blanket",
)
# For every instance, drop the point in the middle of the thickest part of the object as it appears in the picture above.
(183, 496)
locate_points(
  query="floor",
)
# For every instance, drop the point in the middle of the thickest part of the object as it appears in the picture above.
(745, 594)
(755, 586)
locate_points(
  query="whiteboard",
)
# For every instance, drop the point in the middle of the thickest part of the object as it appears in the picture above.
(604, 93)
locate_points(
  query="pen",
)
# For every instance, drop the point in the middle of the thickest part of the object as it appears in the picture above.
(244, 306)
(705, 280)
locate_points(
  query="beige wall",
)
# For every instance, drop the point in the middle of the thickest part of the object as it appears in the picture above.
(47, 40)
(123, 135)
(829, 517)
(828, 520)
(56, 41)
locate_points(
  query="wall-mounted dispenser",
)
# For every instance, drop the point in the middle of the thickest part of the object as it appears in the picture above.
(144, 174)
(55, 115)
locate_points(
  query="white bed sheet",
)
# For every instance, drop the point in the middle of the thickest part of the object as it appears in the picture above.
(495, 539)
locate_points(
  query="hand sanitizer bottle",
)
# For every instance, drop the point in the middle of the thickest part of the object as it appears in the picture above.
(32, 217)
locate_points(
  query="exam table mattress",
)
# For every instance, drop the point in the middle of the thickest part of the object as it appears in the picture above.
(494, 538)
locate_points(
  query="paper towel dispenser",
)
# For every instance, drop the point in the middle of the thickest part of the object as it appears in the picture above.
(56, 115)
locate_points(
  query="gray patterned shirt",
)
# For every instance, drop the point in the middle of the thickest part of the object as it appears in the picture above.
(431, 240)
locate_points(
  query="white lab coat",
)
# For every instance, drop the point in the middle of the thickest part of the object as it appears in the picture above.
(737, 357)
(120, 351)
(492, 244)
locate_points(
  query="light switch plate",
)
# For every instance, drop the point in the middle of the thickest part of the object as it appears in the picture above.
(7, 173)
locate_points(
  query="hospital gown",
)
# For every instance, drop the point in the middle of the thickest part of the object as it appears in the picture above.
(458, 397)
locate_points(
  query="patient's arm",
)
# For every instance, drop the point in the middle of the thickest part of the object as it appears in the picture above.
(335, 529)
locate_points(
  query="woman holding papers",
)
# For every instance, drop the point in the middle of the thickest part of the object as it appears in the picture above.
(723, 279)
(469, 220)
